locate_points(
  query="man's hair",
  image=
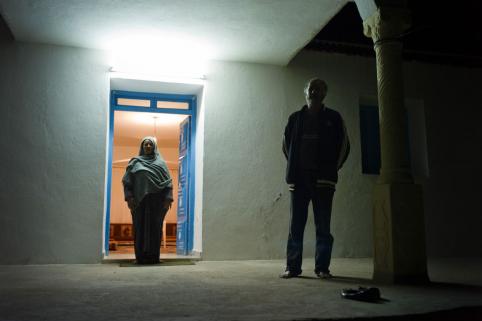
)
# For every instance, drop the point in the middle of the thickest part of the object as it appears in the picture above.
(323, 84)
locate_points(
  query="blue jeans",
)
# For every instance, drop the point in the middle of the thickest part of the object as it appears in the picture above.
(322, 198)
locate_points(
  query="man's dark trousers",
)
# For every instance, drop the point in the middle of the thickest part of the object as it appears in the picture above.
(308, 189)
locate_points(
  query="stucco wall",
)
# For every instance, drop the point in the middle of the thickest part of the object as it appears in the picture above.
(54, 109)
(53, 136)
(243, 166)
(251, 104)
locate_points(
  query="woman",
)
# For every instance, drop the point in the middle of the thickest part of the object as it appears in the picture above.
(148, 193)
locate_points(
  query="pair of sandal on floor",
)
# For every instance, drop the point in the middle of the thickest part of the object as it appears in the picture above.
(362, 294)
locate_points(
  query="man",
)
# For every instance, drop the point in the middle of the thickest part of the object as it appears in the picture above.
(316, 145)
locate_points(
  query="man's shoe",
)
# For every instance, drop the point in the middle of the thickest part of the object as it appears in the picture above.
(324, 275)
(288, 274)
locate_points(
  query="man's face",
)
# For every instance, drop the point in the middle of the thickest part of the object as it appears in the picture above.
(315, 93)
(148, 147)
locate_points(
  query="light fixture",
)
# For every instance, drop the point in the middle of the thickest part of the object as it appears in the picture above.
(193, 79)
(159, 56)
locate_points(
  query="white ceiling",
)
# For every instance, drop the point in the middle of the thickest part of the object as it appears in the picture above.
(263, 31)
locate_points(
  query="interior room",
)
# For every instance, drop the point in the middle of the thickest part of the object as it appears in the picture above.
(129, 129)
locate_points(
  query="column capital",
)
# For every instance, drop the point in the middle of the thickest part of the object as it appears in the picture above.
(386, 23)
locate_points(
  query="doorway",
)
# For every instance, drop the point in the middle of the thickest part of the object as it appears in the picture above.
(169, 118)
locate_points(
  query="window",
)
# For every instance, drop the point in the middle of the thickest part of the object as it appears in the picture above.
(370, 139)
(172, 104)
(133, 102)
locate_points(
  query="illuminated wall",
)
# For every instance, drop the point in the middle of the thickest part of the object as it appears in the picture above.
(53, 137)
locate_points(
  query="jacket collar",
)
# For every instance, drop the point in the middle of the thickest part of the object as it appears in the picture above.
(305, 108)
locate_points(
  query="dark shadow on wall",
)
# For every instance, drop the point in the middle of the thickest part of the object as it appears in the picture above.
(6, 34)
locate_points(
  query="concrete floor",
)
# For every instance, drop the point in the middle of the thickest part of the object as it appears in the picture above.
(224, 290)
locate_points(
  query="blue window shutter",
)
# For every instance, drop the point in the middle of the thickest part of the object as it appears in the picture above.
(370, 139)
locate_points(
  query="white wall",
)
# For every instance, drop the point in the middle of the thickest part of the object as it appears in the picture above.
(251, 104)
(243, 165)
(53, 127)
(199, 178)
(53, 135)
(246, 199)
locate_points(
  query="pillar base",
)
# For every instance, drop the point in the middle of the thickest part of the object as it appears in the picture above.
(399, 234)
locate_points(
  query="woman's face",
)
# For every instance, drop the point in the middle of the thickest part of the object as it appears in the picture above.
(148, 147)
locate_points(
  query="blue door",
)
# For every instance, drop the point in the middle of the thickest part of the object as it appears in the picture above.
(183, 201)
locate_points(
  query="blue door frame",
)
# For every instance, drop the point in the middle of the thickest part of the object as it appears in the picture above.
(153, 98)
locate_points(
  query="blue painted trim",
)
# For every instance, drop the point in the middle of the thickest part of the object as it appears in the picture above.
(192, 176)
(154, 96)
(192, 112)
(154, 110)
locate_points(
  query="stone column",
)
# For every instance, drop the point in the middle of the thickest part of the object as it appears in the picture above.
(399, 229)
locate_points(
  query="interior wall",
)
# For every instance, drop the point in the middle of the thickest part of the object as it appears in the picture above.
(119, 211)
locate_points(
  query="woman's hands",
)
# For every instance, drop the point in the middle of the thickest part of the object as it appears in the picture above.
(131, 203)
(167, 203)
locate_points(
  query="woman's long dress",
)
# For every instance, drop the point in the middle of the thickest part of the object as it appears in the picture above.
(147, 219)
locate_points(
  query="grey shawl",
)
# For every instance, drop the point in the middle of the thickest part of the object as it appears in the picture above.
(146, 174)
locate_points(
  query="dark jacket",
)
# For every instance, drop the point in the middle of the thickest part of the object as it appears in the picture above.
(333, 149)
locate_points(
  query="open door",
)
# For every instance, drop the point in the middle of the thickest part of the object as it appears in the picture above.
(181, 110)
(183, 202)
